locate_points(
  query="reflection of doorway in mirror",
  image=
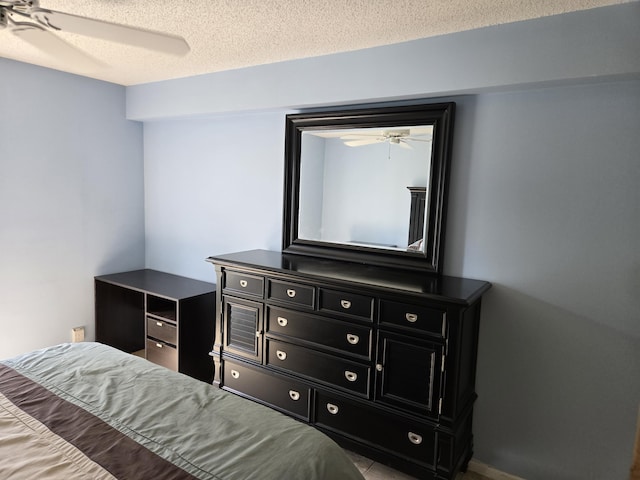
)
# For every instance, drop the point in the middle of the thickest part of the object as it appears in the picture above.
(417, 217)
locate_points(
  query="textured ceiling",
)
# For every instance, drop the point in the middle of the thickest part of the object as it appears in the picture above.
(230, 34)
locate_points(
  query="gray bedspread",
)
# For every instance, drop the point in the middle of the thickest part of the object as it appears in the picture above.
(86, 410)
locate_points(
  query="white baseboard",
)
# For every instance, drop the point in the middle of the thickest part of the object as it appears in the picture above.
(489, 472)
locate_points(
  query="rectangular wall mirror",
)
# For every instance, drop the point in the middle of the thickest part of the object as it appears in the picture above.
(368, 185)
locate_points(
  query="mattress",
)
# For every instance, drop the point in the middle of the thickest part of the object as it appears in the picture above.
(86, 410)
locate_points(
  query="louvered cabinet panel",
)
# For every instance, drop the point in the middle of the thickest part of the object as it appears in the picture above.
(243, 328)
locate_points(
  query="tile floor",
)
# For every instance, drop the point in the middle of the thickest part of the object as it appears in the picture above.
(376, 471)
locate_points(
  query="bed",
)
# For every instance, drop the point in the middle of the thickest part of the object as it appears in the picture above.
(86, 410)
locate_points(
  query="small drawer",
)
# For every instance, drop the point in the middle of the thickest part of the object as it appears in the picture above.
(272, 389)
(319, 366)
(374, 427)
(293, 293)
(416, 317)
(161, 330)
(244, 284)
(324, 332)
(351, 304)
(162, 353)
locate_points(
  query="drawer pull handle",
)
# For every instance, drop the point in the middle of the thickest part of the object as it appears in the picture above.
(353, 339)
(235, 374)
(243, 283)
(411, 317)
(351, 376)
(291, 292)
(333, 409)
(346, 304)
(159, 345)
(379, 367)
(159, 324)
(282, 321)
(415, 438)
(295, 396)
(281, 355)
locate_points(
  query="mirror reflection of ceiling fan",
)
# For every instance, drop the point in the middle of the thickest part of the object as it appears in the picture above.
(400, 137)
(38, 27)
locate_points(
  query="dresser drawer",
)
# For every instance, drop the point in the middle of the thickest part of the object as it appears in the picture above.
(322, 367)
(275, 390)
(244, 284)
(351, 304)
(162, 353)
(416, 317)
(383, 430)
(324, 332)
(293, 293)
(161, 330)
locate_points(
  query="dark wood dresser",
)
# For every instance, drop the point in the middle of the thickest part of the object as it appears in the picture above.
(167, 317)
(381, 359)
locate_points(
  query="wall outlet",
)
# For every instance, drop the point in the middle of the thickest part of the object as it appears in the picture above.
(77, 334)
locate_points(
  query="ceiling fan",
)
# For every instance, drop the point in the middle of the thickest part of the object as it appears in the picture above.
(37, 26)
(401, 137)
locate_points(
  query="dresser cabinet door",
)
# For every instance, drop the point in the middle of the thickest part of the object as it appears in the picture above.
(409, 373)
(243, 328)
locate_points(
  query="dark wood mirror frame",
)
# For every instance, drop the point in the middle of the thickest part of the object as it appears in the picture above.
(440, 115)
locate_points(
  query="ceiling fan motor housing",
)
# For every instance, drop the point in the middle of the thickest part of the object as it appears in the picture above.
(20, 4)
(21, 7)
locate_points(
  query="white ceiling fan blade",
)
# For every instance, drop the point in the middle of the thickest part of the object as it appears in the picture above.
(405, 145)
(51, 44)
(113, 32)
(358, 136)
(359, 143)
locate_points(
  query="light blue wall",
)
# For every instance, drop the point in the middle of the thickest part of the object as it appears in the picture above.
(583, 46)
(543, 203)
(71, 201)
(212, 186)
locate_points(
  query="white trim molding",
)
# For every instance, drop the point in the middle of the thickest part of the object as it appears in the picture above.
(490, 472)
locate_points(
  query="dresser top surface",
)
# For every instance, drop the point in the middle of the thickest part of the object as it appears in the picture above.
(159, 283)
(452, 289)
